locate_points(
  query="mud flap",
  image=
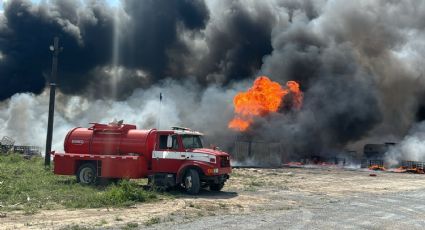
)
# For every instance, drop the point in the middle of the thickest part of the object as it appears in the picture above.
(162, 180)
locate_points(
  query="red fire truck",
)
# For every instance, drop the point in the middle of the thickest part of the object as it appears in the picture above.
(167, 157)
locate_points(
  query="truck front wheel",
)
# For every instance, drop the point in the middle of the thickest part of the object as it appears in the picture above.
(87, 174)
(191, 182)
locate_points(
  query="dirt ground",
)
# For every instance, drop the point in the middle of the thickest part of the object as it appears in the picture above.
(286, 198)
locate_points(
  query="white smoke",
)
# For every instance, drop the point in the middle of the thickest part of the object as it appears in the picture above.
(23, 117)
(411, 148)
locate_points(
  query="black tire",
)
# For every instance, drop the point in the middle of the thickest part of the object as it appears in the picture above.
(216, 187)
(191, 182)
(87, 174)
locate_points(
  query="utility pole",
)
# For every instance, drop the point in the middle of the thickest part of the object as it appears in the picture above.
(56, 50)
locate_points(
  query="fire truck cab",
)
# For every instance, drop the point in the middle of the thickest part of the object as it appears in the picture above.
(166, 157)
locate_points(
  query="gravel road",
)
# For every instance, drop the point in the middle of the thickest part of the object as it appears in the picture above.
(402, 210)
(287, 198)
(328, 207)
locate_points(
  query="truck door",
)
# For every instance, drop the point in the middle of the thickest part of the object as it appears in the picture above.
(168, 158)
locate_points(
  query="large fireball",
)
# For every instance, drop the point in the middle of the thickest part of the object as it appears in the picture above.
(264, 97)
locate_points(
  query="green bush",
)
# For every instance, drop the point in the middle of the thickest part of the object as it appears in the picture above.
(27, 185)
(127, 191)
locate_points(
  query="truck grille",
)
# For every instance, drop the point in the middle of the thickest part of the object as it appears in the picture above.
(224, 161)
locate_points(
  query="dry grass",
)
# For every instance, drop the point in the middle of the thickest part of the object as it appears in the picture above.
(26, 185)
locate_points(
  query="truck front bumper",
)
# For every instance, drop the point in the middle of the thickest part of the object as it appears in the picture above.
(218, 179)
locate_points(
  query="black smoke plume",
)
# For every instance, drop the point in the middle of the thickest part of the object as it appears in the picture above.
(86, 33)
(359, 64)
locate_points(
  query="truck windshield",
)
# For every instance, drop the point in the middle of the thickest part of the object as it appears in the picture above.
(192, 141)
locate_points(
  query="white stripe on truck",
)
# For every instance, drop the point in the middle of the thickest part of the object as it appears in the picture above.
(183, 155)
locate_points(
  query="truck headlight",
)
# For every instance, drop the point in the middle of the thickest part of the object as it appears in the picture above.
(213, 171)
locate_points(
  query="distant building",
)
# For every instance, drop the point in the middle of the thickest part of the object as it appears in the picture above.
(376, 151)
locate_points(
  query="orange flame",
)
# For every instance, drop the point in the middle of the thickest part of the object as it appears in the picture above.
(264, 97)
(298, 96)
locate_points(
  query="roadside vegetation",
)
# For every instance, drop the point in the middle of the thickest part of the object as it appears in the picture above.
(26, 185)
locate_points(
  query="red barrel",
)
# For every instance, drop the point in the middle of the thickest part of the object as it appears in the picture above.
(101, 139)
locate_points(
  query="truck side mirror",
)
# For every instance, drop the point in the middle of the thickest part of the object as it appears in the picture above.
(169, 141)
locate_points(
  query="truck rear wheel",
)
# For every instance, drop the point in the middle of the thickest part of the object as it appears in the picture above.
(216, 187)
(87, 174)
(191, 182)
